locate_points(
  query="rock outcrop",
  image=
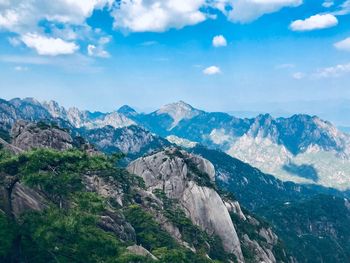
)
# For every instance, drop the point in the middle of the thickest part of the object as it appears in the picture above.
(27, 136)
(16, 198)
(141, 251)
(180, 175)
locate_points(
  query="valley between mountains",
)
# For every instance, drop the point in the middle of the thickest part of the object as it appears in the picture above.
(175, 185)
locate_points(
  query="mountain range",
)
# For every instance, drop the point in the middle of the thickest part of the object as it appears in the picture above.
(301, 148)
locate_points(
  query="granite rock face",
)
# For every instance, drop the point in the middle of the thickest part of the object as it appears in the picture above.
(171, 171)
(16, 198)
(27, 136)
(141, 251)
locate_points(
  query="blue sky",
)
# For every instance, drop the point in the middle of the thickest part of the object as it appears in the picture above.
(271, 55)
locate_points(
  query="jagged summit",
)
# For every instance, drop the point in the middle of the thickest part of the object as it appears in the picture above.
(178, 111)
(127, 110)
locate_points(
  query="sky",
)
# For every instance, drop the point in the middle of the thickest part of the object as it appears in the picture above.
(246, 56)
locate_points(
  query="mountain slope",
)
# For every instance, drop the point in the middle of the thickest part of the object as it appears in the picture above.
(253, 188)
(315, 230)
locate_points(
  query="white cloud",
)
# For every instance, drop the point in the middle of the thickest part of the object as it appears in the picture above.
(244, 11)
(212, 70)
(98, 50)
(298, 75)
(157, 16)
(333, 72)
(72, 63)
(14, 41)
(285, 66)
(344, 9)
(219, 41)
(65, 19)
(23, 15)
(149, 43)
(314, 22)
(327, 4)
(48, 46)
(21, 68)
(94, 51)
(343, 44)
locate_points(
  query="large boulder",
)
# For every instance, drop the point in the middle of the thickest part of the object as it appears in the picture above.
(174, 171)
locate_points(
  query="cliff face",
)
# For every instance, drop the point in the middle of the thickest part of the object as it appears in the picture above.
(173, 171)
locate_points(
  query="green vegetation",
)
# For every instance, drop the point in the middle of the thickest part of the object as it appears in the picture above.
(66, 230)
(5, 135)
(314, 230)
(244, 227)
(148, 232)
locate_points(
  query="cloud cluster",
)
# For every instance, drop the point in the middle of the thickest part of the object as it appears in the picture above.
(55, 27)
(344, 9)
(219, 41)
(97, 50)
(333, 72)
(328, 3)
(343, 44)
(314, 22)
(49, 46)
(64, 17)
(245, 11)
(157, 16)
(212, 70)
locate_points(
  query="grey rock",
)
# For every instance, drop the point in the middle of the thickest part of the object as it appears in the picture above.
(27, 136)
(116, 223)
(261, 255)
(270, 237)
(10, 147)
(168, 171)
(141, 251)
(98, 185)
(207, 210)
(234, 207)
(25, 199)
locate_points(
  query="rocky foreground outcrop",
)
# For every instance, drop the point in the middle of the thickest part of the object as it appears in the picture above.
(178, 174)
(27, 136)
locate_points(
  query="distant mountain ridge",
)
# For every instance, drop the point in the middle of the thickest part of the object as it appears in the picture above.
(301, 148)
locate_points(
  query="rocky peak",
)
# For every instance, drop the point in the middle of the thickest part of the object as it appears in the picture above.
(55, 109)
(127, 110)
(179, 111)
(264, 126)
